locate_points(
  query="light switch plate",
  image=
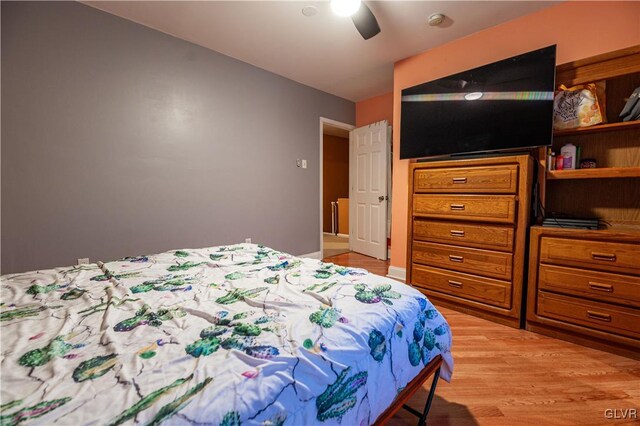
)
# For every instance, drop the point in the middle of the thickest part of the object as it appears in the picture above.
(304, 164)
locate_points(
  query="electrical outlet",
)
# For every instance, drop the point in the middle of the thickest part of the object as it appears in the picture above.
(298, 162)
(247, 240)
(83, 261)
(304, 164)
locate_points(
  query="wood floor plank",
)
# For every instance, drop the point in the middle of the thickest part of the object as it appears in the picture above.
(504, 376)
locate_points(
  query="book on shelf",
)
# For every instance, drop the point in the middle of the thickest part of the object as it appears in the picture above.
(570, 222)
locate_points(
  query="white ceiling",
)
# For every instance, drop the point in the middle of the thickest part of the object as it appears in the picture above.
(323, 51)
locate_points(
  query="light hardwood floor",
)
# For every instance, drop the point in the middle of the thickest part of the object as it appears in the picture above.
(504, 376)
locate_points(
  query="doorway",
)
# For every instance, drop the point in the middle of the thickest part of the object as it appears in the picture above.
(334, 187)
(359, 221)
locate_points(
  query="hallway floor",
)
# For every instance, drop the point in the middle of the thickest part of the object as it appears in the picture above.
(333, 245)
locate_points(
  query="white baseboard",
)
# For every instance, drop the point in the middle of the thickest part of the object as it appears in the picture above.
(343, 235)
(397, 273)
(314, 255)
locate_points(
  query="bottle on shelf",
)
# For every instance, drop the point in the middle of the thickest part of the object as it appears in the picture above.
(568, 153)
(551, 160)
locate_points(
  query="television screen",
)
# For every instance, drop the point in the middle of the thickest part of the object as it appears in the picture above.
(501, 106)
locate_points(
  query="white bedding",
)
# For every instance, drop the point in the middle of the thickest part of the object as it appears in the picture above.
(225, 335)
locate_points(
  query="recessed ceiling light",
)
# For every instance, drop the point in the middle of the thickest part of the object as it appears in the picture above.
(345, 7)
(436, 19)
(309, 10)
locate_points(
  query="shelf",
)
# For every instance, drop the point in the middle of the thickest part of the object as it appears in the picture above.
(602, 173)
(621, 233)
(608, 127)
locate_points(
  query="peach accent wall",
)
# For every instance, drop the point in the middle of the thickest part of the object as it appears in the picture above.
(580, 29)
(375, 109)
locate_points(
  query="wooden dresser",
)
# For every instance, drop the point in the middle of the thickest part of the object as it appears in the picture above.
(467, 233)
(584, 286)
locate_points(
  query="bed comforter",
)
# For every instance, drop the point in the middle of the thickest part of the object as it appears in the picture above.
(229, 335)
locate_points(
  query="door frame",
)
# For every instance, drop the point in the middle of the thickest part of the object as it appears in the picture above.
(341, 125)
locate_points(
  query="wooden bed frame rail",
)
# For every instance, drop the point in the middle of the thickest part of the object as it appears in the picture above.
(431, 369)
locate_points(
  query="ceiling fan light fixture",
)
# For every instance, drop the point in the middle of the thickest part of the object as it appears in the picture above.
(345, 7)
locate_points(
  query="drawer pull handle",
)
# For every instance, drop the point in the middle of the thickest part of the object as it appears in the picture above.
(460, 180)
(601, 287)
(599, 316)
(456, 284)
(456, 258)
(455, 233)
(609, 257)
(457, 206)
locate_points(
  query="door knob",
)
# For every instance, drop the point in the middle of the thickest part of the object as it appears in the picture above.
(382, 198)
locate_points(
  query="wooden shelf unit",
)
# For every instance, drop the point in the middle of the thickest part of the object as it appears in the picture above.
(606, 127)
(584, 286)
(601, 173)
(611, 191)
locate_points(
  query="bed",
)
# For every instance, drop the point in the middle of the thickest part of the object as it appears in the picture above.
(229, 335)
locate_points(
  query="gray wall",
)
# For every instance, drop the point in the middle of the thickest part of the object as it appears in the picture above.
(120, 140)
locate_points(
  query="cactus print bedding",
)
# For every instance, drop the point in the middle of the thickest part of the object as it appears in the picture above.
(231, 335)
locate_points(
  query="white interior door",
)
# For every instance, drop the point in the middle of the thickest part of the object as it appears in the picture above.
(368, 160)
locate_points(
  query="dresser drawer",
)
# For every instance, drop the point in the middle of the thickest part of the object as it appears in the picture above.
(465, 234)
(474, 261)
(606, 256)
(497, 208)
(492, 179)
(486, 290)
(601, 286)
(599, 316)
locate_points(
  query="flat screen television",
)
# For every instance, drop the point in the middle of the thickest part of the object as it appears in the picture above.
(505, 105)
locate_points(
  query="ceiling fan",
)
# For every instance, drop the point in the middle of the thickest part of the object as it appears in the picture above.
(361, 15)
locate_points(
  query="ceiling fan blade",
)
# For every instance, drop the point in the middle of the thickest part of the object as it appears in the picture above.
(365, 22)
